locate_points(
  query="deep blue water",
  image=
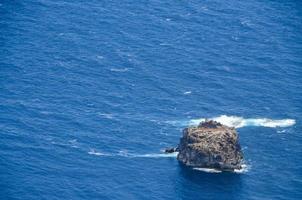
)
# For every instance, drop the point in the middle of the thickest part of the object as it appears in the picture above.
(88, 91)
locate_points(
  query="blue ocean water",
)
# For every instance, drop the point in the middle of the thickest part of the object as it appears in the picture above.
(92, 91)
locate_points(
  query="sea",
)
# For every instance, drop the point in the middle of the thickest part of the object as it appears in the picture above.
(92, 92)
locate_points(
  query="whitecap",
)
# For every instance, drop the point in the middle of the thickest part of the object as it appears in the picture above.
(281, 131)
(204, 8)
(164, 44)
(188, 92)
(239, 122)
(96, 153)
(123, 153)
(106, 115)
(119, 69)
(246, 23)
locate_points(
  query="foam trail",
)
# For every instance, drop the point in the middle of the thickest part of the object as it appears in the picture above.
(157, 155)
(131, 155)
(239, 122)
(96, 153)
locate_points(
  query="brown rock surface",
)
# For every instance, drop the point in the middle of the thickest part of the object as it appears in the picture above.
(210, 145)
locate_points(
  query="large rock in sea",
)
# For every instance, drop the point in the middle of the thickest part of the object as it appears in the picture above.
(210, 145)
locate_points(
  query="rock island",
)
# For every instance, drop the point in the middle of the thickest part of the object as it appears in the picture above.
(210, 145)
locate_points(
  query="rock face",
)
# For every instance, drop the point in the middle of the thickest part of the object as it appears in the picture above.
(210, 145)
(171, 150)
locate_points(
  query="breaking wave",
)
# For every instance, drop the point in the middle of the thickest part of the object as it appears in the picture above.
(239, 122)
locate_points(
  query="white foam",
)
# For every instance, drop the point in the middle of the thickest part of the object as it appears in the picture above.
(106, 115)
(281, 131)
(94, 152)
(187, 92)
(244, 168)
(119, 69)
(132, 155)
(208, 170)
(158, 155)
(239, 122)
